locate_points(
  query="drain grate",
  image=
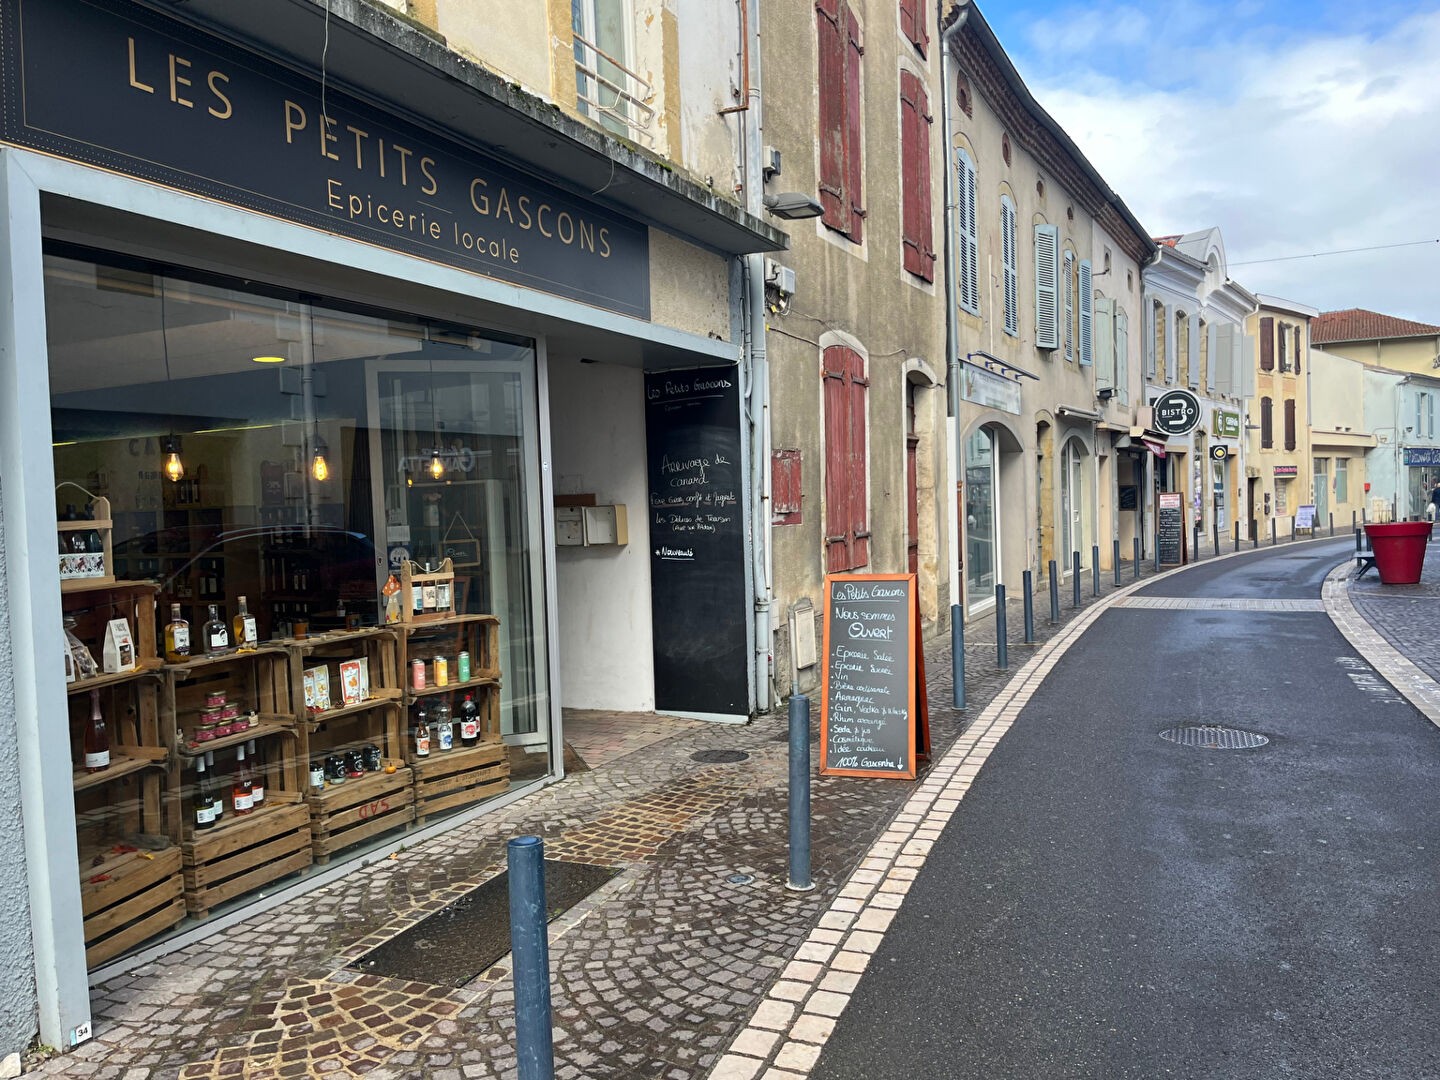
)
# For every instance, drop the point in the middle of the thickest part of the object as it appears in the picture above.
(1214, 737)
(719, 757)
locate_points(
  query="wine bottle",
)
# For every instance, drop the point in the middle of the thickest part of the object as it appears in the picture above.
(216, 799)
(97, 738)
(242, 796)
(469, 722)
(422, 733)
(257, 774)
(217, 637)
(203, 802)
(244, 626)
(177, 636)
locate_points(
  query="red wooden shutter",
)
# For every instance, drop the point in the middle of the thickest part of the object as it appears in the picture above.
(919, 256)
(912, 23)
(1289, 423)
(837, 446)
(854, 129)
(830, 42)
(1267, 344)
(785, 487)
(859, 472)
(1267, 424)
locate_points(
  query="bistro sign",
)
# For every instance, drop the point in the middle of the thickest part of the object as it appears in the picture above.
(115, 85)
(1176, 412)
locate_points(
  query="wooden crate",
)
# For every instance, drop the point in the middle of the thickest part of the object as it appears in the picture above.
(413, 580)
(245, 852)
(346, 814)
(129, 898)
(453, 778)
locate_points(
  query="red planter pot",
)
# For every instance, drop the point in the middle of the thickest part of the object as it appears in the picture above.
(1399, 550)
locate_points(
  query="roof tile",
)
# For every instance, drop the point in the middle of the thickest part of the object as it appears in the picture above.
(1358, 324)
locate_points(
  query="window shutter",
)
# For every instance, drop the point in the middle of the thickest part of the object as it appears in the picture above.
(830, 42)
(912, 23)
(969, 239)
(859, 472)
(1068, 273)
(919, 254)
(854, 129)
(1087, 315)
(1212, 353)
(1122, 356)
(786, 490)
(1267, 344)
(1152, 341)
(837, 463)
(1289, 423)
(1220, 363)
(1104, 343)
(1193, 360)
(1047, 287)
(1297, 350)
(1007, 257)
(1267, 424)
(1244, 356)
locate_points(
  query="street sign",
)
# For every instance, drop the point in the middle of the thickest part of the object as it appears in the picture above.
(1176, 412)
(1219, 452)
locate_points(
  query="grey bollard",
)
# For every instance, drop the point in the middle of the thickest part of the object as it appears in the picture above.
(1136, 545)
(799, 795)
(957, 656)
(1272, 532)
(1215, 534)
(1115, 559)
(1075, 575)
(1094, 569)
(1054, 593)
(530, 954)
(1002, 646)
(1027, 581)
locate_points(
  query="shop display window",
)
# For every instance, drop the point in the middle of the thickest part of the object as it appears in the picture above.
(222, 440)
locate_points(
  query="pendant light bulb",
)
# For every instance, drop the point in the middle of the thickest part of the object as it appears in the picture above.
(174, 467)
(437, 467)
(319, 467)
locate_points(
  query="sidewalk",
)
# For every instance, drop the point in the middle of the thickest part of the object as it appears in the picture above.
(654, 975)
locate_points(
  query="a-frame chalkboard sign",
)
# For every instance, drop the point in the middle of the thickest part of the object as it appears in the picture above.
(874, 714)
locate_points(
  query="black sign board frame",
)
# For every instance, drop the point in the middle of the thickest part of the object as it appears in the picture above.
(1170, 528)
(861, 676)
(698, 596)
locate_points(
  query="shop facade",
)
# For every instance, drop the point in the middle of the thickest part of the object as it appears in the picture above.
(269, 338)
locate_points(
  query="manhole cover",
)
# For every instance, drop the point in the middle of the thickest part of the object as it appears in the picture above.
(1214, 737)
(719, 757)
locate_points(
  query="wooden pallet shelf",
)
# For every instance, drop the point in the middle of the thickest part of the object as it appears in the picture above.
(149, 665)
(244, 852)
(383, 696)
(128, 898)
(124, 760)
(449, 779)
(266, 724)
(346, 814)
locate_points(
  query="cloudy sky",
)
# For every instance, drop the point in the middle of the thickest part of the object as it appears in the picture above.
(1296, 127)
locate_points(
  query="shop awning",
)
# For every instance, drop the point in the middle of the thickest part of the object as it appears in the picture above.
(1074, 412)
(1154, 446)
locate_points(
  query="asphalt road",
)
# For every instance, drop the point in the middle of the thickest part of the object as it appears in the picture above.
(1106, 904)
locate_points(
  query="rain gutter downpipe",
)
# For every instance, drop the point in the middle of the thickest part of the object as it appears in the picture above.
(759, 371)
(952, 333)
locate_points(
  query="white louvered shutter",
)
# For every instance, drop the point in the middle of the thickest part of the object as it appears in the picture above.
(1087, 315)
(1047, 287)
(1068, 270)
(1104, 343)
(969, 240)
(1008, 257)
(1222, 352)
(1122, 356)
(1212, 352)
(1193, 360)
(1150, 335)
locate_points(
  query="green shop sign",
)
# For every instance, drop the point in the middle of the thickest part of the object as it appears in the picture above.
(1227, 424)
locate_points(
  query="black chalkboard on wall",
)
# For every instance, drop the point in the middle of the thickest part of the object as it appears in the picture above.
(873, 711)
(698, 588)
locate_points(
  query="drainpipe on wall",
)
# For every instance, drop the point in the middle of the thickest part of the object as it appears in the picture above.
(759, 371)
(952, 333)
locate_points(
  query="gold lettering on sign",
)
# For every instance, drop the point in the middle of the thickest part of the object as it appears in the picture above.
(134, 78)
(540, 212)
(229, 111)
(526, 221)
(326, 138)
(433, 185)
(177, 80)
(295, 121)
(359, 154)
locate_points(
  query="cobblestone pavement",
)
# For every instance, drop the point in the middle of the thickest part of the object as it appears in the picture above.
(653, 976)
(1408, 616)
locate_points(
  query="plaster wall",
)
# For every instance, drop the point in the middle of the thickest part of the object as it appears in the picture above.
(506, 37)
(1416, 355)
(597, 424)
(1382, 463)
(689, 287)
(857, 295)
(710, 79)
(17, 993)
(1281, 387)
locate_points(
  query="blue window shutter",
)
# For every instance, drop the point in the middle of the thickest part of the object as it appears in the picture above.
(1087, 315)
(1008, 257)
(1122, 356)
(1047, 287)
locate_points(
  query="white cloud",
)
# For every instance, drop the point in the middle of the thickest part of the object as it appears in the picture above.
(1290, 143)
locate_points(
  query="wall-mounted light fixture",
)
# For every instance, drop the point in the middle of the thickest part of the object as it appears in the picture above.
(793, 205)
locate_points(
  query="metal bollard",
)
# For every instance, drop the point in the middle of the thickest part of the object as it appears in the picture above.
(1292, 530)
(1115, 559)
(957, 656)
(1237, 538)
(1254, 534)
(1136, 543)
(1272, 532)
(1157, 553)
(1332, 524)
(1215, 534)
(1027, 580)
(1054, 594)
(1002, 647)
(530, 953)
(1094, 569)
(1075, 575)
(799, 795)
(1357, 541)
